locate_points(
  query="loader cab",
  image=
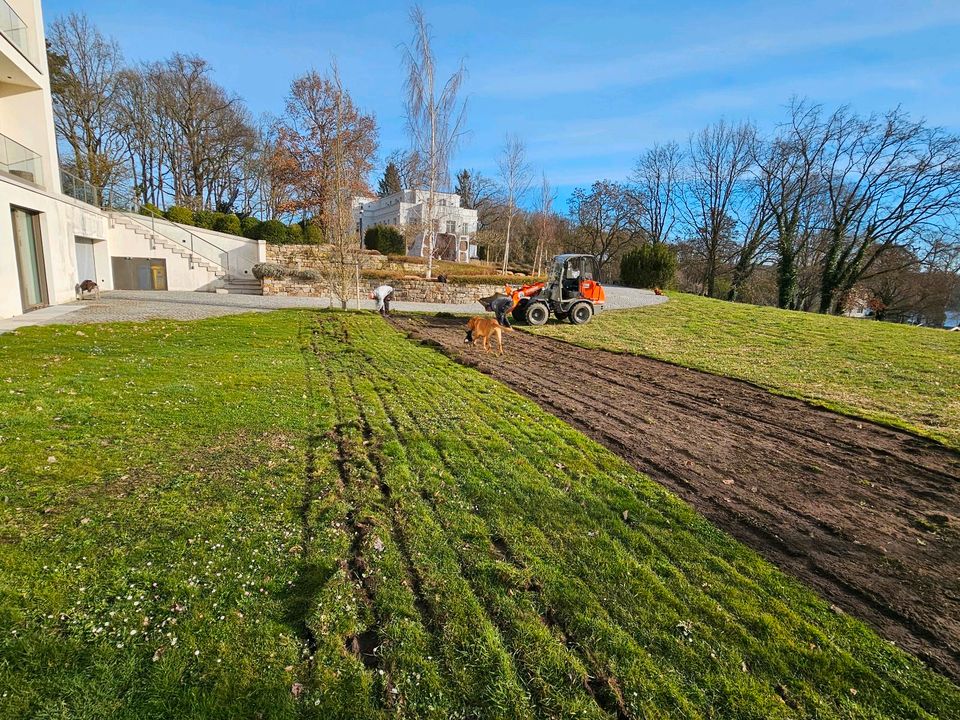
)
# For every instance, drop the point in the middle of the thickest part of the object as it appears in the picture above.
(570, 271)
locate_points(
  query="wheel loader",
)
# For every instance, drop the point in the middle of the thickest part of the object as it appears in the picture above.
(571, 292)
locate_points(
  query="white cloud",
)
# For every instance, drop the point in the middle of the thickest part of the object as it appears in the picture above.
(740, 41)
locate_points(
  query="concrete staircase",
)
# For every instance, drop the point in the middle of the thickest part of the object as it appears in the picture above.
(242, 286)
(157, 239)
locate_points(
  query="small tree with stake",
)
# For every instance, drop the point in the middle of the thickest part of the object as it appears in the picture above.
(434, 120)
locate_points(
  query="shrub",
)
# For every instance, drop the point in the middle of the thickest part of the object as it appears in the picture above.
(268, 270)
(385, 239)
(273, 231)
(295, 234)
(180, 215)
(205, 218)
(413, 260)
(249, 226)
(648, 266)
(227, 224)
(306, 275)
(312, 233)
(150, 210)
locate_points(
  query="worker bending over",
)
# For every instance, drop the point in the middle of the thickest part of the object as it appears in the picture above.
(382, 295)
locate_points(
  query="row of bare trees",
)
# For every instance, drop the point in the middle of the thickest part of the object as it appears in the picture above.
(826, 204)
(164, 131)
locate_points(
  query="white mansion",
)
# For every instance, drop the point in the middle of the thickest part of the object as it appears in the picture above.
(456, 225)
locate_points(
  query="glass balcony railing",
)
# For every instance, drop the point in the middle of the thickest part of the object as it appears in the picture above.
(79, 189)
(17, 32)
(20, 161)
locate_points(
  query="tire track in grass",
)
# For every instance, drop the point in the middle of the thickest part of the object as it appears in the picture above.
(476, 658)
(491, 480)
(781, 692)
(335, 687)
(471, 655)
(407, 625)
(391, 642)
(639, 666)
(533, 644)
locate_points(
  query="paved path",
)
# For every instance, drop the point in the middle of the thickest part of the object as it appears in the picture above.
(126, 305)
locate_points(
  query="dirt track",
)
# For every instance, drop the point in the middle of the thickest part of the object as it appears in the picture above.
(867, 515)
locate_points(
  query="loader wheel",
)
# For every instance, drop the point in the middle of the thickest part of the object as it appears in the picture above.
(581, 313)
(537, 313)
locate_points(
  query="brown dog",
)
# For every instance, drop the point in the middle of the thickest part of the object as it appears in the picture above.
(481, 328)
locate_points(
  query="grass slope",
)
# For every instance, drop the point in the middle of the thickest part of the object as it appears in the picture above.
(907, 377)
(336, 523)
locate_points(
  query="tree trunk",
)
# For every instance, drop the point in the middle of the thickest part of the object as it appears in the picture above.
(786, 279)
(506, 247)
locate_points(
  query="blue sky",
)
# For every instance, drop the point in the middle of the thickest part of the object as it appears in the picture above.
(586, 85)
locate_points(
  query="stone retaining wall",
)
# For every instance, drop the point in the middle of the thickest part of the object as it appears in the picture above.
(408, 289)
(315, 257)
(412, 290)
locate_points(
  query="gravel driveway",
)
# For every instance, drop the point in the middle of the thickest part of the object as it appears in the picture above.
(133, 306)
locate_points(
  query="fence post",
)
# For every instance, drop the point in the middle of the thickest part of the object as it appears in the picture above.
(358, 283)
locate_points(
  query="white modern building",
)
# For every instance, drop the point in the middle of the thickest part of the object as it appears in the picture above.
(456, 226)
(53, 236)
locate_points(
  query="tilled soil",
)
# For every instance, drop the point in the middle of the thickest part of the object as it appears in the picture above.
(867, 515)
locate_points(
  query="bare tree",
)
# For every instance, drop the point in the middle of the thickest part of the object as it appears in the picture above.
(321, 119)
(346, 171)
(655, 180)
(85, 75)
(545, 223)
(141, 126)
(789, 179)
(755, 243)
(608, 219)
(410, 168)
(208, 135)
(888, 181)
(720, 157)
(515, 177)
(434, 119)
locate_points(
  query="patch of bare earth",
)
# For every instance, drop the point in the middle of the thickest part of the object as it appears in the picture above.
(867, 515)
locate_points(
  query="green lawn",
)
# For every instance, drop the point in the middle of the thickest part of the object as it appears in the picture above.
(907, 377)
(303, 514)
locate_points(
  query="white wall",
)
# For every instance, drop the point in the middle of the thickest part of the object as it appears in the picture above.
(61, 222)
(237, 254)
(180, 276)
(26, 109)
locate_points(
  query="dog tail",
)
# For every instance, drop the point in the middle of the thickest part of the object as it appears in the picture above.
(505, 327)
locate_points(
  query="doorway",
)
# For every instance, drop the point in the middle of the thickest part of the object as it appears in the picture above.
(86, 262)
(139, 273)
(29, 249)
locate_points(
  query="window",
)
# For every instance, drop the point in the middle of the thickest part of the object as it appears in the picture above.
(451, 227)
(443, 202)
(29, 251)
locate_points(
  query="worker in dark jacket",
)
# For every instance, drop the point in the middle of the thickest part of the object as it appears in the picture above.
(500, 305)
